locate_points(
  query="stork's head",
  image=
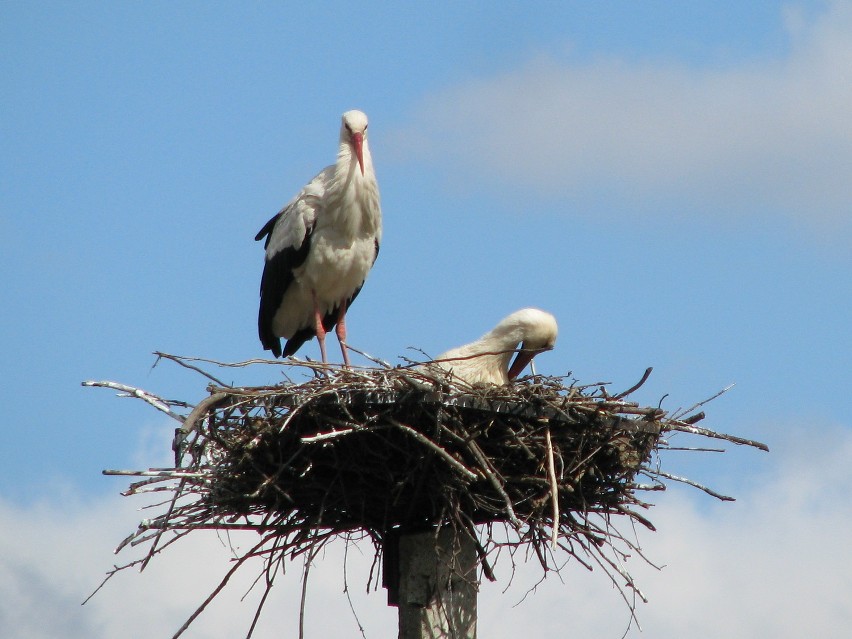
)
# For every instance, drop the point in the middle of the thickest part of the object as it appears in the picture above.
(536, 331)
(353, 131)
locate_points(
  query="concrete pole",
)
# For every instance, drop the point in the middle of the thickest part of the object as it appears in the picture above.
(437, 586)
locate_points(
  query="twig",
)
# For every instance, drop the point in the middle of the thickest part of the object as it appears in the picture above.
(157, 402)
(637, 385)
(375, 360)
(554, 490)
(182, 361)
(239, 562)
(452, 461)
(695, 430)
(335, 434)
(191, 421)
(485, 467)
(686, 411)
(309, 558)
(695, 484)
(692, 419)
(346, 589)
(176, 473)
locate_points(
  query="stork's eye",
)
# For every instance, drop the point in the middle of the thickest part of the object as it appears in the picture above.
(365, 126)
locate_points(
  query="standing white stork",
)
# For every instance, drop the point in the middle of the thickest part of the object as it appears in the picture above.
(320, 248)
(486, 361)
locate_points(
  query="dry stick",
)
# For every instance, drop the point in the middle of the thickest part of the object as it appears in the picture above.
(291, 362)
(157, 402)
(346, 586)
(157, 474)
(692, 419)
(260, 605)
(633, 514)
(239, 562)
(686, 411)
(180, 360)
(692, 483)
(452, 461)
(308, 560)
(375, 360)
(469, 529)
(116, 569)
(330, 435)
(483, 462)
(256, 617)
(242, 364)
(189, 424)
(110, 574)
(631, 605)
(696, 430)
(463, 357)
(147, 489)
(637, 385)
(627, 408)
(166, 517)
(600, 558)
(554, 489)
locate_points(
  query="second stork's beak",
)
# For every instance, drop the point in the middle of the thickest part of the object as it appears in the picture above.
(521, 360)
(524, 357)
(358, 143)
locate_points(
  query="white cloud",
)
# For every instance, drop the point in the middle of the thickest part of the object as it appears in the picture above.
(775, 563)
(53, 556)
(758, 137)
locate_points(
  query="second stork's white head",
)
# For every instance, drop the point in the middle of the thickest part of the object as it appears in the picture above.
(486, 361)
(353, 132)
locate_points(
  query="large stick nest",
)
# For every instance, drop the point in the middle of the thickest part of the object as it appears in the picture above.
(384, 451)
(356, 451)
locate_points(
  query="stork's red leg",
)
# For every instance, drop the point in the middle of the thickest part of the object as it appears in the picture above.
(341, 333)
(319, 328)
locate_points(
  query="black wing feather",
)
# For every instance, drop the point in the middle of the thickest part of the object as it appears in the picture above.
(267, 229)
(276, 279)
(299, 337)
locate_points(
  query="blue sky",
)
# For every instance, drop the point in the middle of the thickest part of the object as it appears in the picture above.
(672, 182)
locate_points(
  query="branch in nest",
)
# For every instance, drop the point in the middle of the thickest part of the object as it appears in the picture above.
(131, 391)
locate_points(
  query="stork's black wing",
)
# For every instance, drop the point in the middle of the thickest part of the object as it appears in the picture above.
(277, 278)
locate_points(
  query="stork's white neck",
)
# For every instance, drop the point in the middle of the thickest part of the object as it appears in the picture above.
(353, 199)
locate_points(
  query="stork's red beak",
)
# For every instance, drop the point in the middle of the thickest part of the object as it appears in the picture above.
(358, 143)
(521, 360)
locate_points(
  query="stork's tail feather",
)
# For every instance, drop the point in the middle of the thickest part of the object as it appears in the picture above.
(270, 341)
(272, 344)
(295, 343)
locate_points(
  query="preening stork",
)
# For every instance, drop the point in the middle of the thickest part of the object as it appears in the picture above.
(486, 361)
(320, 248)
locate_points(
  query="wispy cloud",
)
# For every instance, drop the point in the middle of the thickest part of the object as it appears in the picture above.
(774, 563)
(754, 137)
